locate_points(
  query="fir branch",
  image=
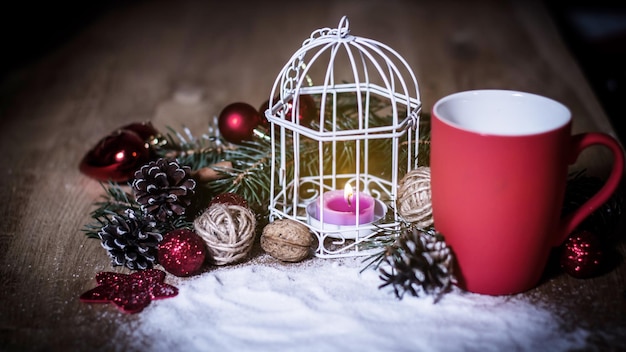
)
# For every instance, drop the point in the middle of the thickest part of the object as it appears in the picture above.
(116, 198)
(178, 222)
(249, 175)
(195, 152)
(115, 201)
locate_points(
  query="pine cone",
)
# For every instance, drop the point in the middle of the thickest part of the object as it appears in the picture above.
(163, 188)
(419, 261)
(131, 241)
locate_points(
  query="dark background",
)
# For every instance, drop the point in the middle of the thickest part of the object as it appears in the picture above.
(595, 32)
(29, 29)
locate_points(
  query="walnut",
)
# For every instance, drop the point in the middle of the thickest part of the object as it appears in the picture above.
(286, 240)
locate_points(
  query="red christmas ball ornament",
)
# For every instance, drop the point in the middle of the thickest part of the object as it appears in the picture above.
(229, 199)
(144, 130)
(582, 255)
(182, 252)
(237, 122)
(116, 157)
(307, 110)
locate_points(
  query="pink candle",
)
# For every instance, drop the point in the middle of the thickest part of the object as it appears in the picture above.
(340, 208)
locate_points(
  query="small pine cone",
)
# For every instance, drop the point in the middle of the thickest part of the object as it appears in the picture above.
(163, 188)
(419, 261)
(131, 241)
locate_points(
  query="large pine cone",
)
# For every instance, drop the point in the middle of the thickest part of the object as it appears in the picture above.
(131, 241)
(420, 261)
(163, 188)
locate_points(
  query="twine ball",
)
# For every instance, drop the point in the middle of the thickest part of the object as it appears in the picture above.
(414, 197)
(286, 240)
(228, 231)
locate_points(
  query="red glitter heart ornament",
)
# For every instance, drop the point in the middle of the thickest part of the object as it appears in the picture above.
(130, 293)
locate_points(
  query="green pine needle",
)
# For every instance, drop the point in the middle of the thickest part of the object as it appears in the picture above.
(194, 151)
(115, 200)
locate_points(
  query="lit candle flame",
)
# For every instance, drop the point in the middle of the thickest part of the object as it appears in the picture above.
(348, 193)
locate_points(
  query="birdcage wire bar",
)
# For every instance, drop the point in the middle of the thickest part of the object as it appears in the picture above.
(294, 192)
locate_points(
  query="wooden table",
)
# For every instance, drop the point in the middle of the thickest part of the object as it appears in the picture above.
(135, 61)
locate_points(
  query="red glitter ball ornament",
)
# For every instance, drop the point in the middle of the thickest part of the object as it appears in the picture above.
(237, 122)
(130, 293)
(182, 252)
(229, 198)
(307, 110)
(582, 255)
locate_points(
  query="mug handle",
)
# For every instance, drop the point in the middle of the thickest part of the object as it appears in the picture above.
(579, 143)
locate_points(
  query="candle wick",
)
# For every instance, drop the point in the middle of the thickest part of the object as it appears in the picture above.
(347, 194)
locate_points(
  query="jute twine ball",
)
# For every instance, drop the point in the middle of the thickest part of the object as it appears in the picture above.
(286, 240)
(228, 231)
(414, 198)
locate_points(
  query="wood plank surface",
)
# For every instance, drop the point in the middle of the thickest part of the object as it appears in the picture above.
(136, 60)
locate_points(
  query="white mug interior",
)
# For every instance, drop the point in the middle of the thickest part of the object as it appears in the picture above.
(501, 112)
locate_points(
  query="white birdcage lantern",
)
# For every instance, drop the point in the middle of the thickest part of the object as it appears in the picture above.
(362, 136)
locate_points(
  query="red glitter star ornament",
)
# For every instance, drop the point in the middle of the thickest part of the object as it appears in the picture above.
(130, 293)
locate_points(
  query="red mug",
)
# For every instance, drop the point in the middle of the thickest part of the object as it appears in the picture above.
(499, 166)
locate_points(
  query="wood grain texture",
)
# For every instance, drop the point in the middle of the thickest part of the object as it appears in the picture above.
(128, 65)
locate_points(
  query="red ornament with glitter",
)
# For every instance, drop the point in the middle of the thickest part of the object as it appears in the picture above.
(130, 293)
(182, 252)
(582, 255)
(237, 122)
(229, 198)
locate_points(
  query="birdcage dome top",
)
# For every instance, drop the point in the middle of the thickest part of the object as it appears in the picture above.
(332, 64)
